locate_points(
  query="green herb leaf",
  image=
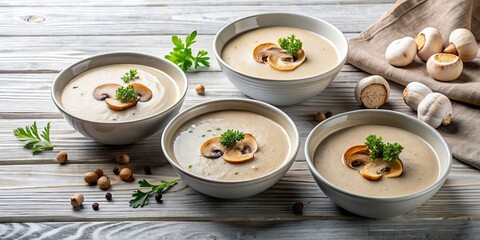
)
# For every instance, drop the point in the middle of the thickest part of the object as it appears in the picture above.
(229, 137)
(388, 152)
(392, 151)
(140, 199)
(128, 76)
(375, 145)
(182, 53)
(34, 141)
(126, 94)
(290, 44)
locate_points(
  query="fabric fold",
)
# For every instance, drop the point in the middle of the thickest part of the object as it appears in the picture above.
(408, 18)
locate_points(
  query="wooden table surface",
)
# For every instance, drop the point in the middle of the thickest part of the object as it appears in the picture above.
(40, 38)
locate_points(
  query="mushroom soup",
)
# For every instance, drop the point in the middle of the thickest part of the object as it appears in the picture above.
(420, 162)
(264, 148)
(320, 54)
(92, 94)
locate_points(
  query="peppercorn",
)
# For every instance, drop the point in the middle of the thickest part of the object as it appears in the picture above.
(99, 172)
(123, 159)
(320, 116)
(158, 197)
(126, 174)
(90, 178)
(76, 200)
(108, 196)
(95, 206)
(62, 157)
(200, 89)
(297, 208)
(147, 170)
(104, 182)
(116, 171)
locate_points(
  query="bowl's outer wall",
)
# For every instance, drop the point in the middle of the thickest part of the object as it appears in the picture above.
(121, 132)
(371, 206)
(281, 92)
(230, 189)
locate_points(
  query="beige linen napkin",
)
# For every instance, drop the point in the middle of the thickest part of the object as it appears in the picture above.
(408, 18)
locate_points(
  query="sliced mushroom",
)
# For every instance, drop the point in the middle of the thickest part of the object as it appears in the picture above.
(212, 148)
(377, 168)
(143, 91)
(285, 62)
(262, 51)
(242, 151)
(356, 156)
(116, 105)
(105, 91)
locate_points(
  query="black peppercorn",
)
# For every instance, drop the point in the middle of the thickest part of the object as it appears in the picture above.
(158, 197)
(116, 171)
(297, 208)
(108, 196)
(147, 170)
(95, 206)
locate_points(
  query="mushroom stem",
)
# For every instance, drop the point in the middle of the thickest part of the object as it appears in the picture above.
(451, 49)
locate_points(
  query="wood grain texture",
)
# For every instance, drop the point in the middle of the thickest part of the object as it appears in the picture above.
(167, 20)
(122, 3)
(40, 38)
(36, 104)
(51, 54)
(336, 229)
(24, 198)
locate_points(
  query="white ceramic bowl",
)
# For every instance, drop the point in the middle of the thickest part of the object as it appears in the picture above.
(378, 207)
(230, 189)
(125, 132)
(281, 92)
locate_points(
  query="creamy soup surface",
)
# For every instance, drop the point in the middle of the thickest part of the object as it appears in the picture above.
(77, 96)
(420, 162)
(238, 53)
(273, 145)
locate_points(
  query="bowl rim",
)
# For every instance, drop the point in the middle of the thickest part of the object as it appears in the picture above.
(113, 54)
(440, 180)
(285, 165)
(331, 71)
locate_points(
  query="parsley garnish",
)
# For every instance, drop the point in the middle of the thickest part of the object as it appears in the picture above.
(229, 137)
(290, 44)
(140, 199)
(126, 94)
(389, 151)
(375, 145)
(34, 141)
(128, 76)
(182, 53)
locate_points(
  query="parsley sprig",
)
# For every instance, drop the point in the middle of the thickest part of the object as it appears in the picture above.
(389, 151)
(130, 75)
(140, 199)
(229, 137)
(34, 141)
(290, 44)
(126, 94)
(182, 53)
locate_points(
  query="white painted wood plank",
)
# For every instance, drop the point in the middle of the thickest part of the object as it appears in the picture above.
(35, 104)
(137, 3)
(25, 54)
(175, 230)
(30, 192)
(167, 20)
(39, 188)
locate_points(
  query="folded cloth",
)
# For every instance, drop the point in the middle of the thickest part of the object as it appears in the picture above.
(408, 18)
